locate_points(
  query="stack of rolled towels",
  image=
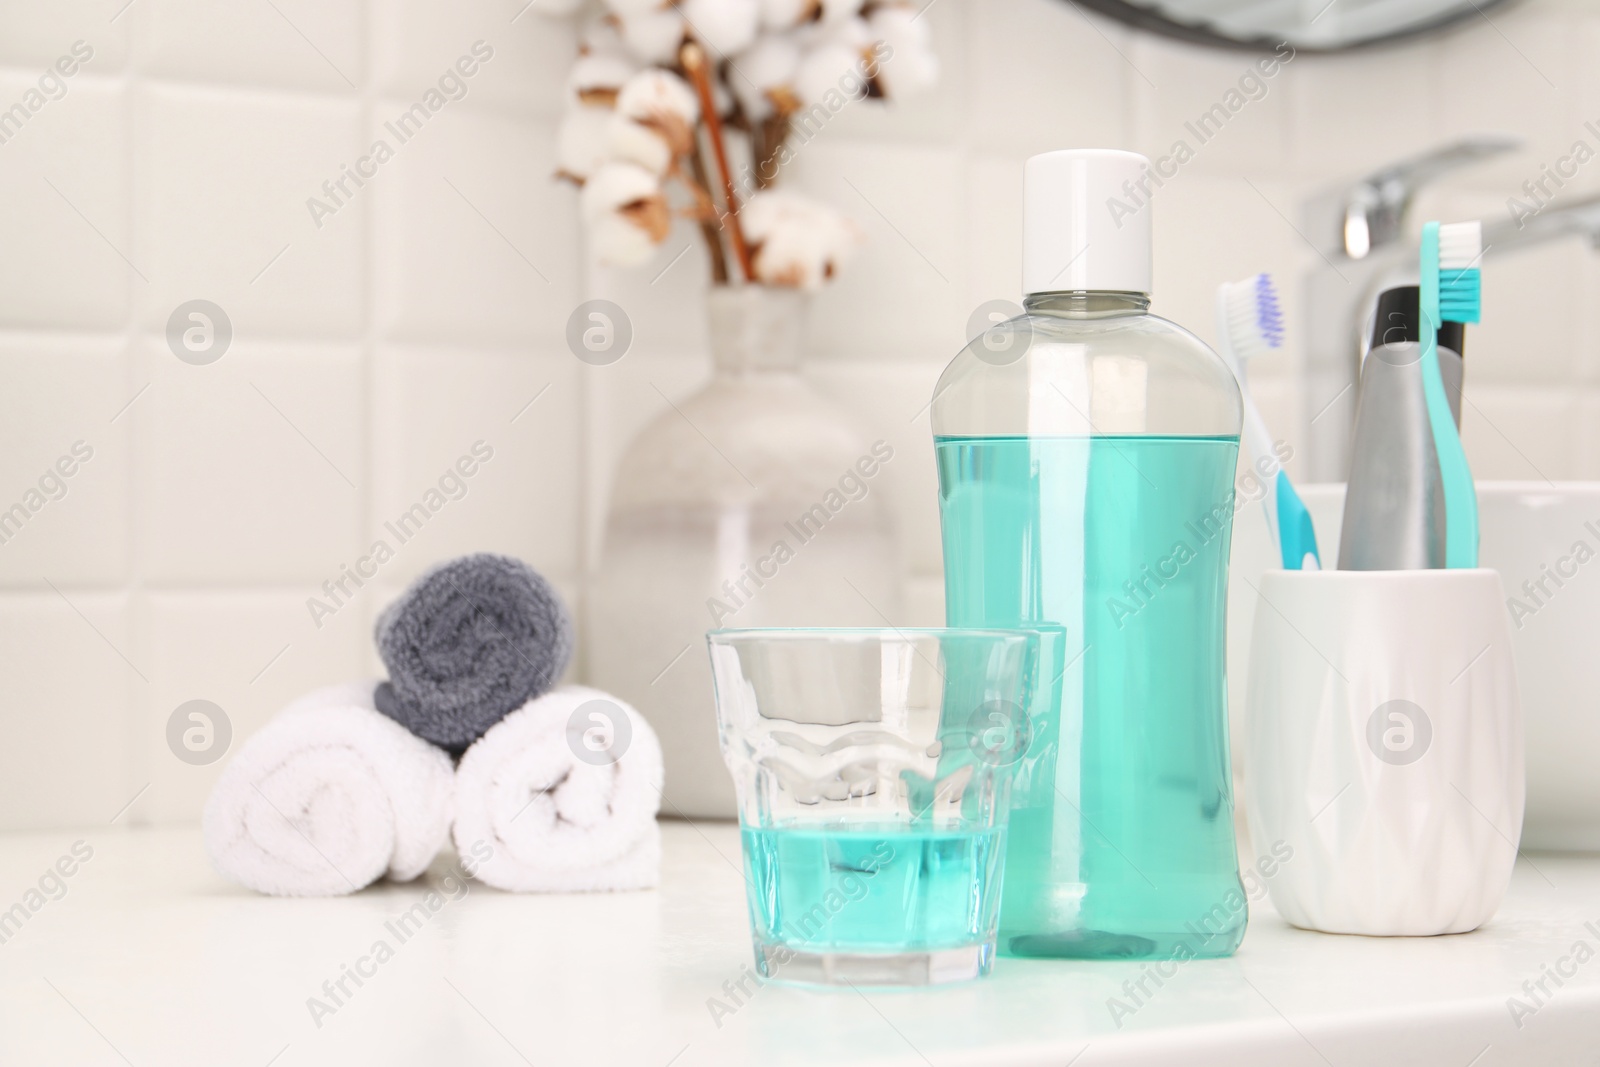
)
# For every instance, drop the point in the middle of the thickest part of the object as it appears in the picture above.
(547, 788)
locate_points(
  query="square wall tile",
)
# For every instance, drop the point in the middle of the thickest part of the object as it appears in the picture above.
(1354, 113)
(71, 674)
(1535, 305)
(250, 653)
(1520, 434)
(36, 35)
(225, 179)
(308, 44)
(1046, 75)
(64, 459)
(416, 42)
(900, 298)
(1213, 230)
(1218, 104)
(475, 451)
(1516, 72)
(475, 239)
(64, 179)
(252, 468)
(994, 229)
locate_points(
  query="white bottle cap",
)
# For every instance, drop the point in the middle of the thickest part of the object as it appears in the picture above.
(1086, 221)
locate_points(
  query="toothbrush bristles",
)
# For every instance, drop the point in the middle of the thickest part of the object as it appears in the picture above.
(1460, 282)
(1255, 323)
(1269, 319)
(1460, 245)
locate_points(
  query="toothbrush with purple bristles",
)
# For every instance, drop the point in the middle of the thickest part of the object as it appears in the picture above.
(1249, 323)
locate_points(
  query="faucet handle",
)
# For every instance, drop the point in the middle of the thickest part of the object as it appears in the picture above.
(1371, 211)
(1574, 217)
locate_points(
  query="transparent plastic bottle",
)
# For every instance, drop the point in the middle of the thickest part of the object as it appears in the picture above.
(1086, 456)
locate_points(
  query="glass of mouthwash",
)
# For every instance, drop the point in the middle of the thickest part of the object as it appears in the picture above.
(873, 769)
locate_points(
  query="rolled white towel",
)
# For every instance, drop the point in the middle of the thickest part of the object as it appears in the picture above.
(564, 792)
(328, 797)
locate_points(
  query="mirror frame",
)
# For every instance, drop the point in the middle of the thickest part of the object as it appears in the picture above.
(1143, 18)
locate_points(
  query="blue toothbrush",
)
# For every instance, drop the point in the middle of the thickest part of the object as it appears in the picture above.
(1248, 324)
(1452, 291)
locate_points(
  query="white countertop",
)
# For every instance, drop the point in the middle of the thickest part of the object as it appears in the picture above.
(150, 958)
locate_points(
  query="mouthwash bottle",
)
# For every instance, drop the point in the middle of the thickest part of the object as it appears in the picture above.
(1086, 457)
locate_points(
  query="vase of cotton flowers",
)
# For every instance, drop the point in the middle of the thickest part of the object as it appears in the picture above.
(753, 502)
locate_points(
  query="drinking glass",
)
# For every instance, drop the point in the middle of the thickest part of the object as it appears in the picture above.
(873, 769)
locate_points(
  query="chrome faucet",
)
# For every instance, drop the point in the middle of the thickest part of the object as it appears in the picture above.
(1358, 229)
(1375, 207)
(1580, 218)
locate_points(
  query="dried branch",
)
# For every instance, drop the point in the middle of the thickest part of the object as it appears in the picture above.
(774, 132)
(694, 64)
(708, 223)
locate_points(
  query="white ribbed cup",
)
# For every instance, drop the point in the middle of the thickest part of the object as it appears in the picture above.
(1385, 748)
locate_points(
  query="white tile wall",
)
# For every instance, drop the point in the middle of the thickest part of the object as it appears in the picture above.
(66, 183)
(423, 315)
(67, 390)
(255, 44)
(249, 470)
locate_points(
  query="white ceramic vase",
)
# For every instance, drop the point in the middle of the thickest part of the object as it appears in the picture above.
(1385, 748)
(703, 498)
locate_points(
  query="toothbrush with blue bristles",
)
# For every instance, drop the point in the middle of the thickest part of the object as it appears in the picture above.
(1249, 324)
(1451, 291)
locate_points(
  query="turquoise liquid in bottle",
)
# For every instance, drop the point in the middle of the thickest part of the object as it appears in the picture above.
(1121, 836)
(1086, 452)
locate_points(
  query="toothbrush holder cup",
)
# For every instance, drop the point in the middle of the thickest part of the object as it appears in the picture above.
(1384, 746)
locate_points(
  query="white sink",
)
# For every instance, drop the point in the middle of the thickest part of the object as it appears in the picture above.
(1530, 529)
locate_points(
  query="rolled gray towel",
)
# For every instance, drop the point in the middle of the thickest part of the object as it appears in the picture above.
(468, 643)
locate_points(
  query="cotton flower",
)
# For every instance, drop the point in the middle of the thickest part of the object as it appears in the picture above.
(627, 8)
(630, 142)
(796, 242)
(583, 142)
(654, 120)
(769, 70)
(652, 36)
(832, 67)
(631, 120)
(597, 79)
(848, 29)
(787, 14)
(908, 65)
(600, 36)
(726, 26)
(836, 11)
(626, 214)
(661, 97)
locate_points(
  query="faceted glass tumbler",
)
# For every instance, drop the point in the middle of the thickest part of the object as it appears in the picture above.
(873, 771)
